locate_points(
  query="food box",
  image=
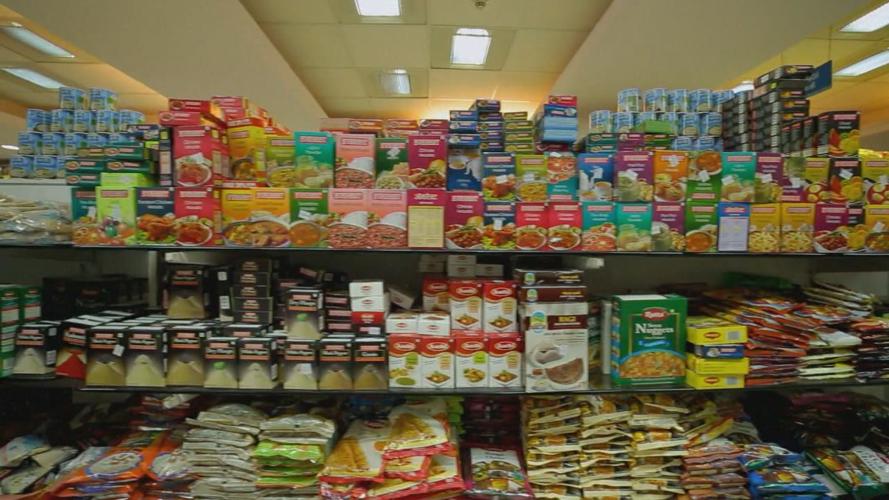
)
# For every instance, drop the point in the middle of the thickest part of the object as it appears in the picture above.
(858, 231)
(387, 218)
(499, 306)
(648, 339)
(705, 366)
(702, 382)
(556, 346)
(427, 158)
(561, 176)
(845, 181)
(876, 218)
(246, 146)
(797, 226)
(670, 175)
(314, 162)
(707, 331)
(633, 227)
(116, 213)
(704, 176)
(595, 176)
(258, 217)
(498, 176)
(464, 169)
(348, 218)
(769, 178)
(425, 217)
(701, 226)
(85, 231)
(124, 179)
(531, 177)
(198, 217)
(738, 174)
(838, 133)
(876, 180)
(531, 225)
(667, 227)
(633, 176)
(734, 226)
(564, 222)
(435, 294)
(464, 219)
(815, 180)
(505, 352)
(434, 323)
(831, 228)
(764, 234)
(470, 360)
(197, 156)
(309, 218)
(392, 163)
(499, 225)
(355, 167)
(465, 304)
(279, 161)
(436, 355)
(599, 232)
(155, 217)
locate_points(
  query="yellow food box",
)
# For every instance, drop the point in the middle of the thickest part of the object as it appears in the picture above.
(704, 366)
(797, 227)
(876, 218)
(699, 381)
(706, 330)
(765, 228)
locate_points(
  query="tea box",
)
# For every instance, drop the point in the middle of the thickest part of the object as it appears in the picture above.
(564, 221)
(425, 218)
(633, 227)
(116, 213)
(704, 176)
(797, 225)
(845, 181)
(562, 179)
(701, 226)
(391, 163)
(595, 176)
(498, 176)
(667, 227)
(831, 228)
(531, 177)
(314, 161)
(427, 160)
(738, 175)
(670, 175)
(309, 218)
(355, 167)
(599, 232)
(499, 225)
(764, 233)
(648, 339)
(633, 176)
(876, 180)
(348, 218)
(531, 225)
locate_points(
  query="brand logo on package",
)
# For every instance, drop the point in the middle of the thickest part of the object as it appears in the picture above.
(473, 346)
(271, 195)
(403, 346)
(655, 314)
(501, 292)
(506, 346)
(438, 346)
(711, 335)
(466, 290)
(711, 380)
(313, 139)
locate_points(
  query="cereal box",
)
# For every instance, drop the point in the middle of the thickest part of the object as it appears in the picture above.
(465, 304)
(387, 219)
(155, 217)
(648, 339)
(464, 219)
(876, 180)
(116, 213)
(633, 227)
(309, 218)
(435, 294)
(391, 163)
(876, 218)
(769, 177)
(595, 176)
(425, 217)
(85, 231)
(531, 177)
(704, 176)
(667, 227)
(531, 225)
(436, 362)
(314, 159)
(464, 169)
(404, 361)
(498, 176)
(765, 228)
(599, 231)
(198, 217)
(838, 133)
(499, 307)
(348, 218)
(831, 228)
(561, 176)
(505, 359)
(845, 181)
(734, 226)
(471, 360)
(797, 225)
(499, 225)
(701, 229)
(197, 156)
(858, 231)
(633, 176)
(427, 159)
(738, 174)
(355, 167)
(564, 221)
(246, 146)
(670, 175)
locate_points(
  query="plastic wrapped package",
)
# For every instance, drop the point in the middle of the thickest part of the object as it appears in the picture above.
(33, 222)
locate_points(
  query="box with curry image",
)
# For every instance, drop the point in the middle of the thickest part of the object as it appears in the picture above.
(246, 147)
(258, 217)
(648, 339)
(312, 162)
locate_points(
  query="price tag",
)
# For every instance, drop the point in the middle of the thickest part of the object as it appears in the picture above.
(704, 176)
(879, 227)
(373, 330)
(884, 179)
(118, 350)
(728, 179)
(765, 178)
(597, 173)
(501, 179)
(529, 177)
(630, 174)
(796, 182)
(222, 276)
(846, 174)
(305, 214)
(498, 224)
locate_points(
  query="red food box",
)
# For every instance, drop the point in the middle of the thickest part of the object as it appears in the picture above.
(185, 118)
(208, 109)
(197, 156)
(427, 159)
(355, 166)
(667, 227)
(435, 294)
(831, 221)
(349, 218)
(562, 100)
(198, 217)
(531, 225)
(387, 219)
(400, 124)
(505, 352)
(366, 126)
(564, 222)
(463, 219)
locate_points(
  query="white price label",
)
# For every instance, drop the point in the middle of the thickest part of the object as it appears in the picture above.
(529, 177)
(703, 176)
(728, 179)
(222, 276)
(498, 224)
(846, 174)
(765, 178)
(501, 179)
(796, 182)
(305, 214)
(118, 350)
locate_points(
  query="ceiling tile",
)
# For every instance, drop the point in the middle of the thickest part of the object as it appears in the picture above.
(387, 46)
(94, 75)
(311, 45)
(290, 11)
(543, 50)
(333, 82)
(560, 14)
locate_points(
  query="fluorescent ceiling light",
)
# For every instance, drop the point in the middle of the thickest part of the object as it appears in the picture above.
(9, 147)
(865, 65)
(35, 77)
(470, 46)
(872, 21)
(744, 85)
(35, 41)
(378, 8)
(396, 81)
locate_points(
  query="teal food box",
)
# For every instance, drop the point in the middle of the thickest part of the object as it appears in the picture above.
(648, 339)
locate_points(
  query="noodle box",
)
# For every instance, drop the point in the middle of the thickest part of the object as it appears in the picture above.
(349, 218)
(564, 221)
(505, 351)
(734, 226)
(464, 219)
(465, 305)
(425, 217)
(648, 339)
(391, 163)
(797, 225)
(355, 167)
(764, 233)
(198, 217)
(831, 228)
(387, 218)
(155, 217)
(531, 225)
(701, 226)
(633, 227)
(436, 356)
(471, 360)
(197, 156)
(499, 225)
(427, 160)
(876, 219)
(876, 180)
(667, 227)
(699, 381)
(561, 177)
(308, 217)
(595, 176)
(116, 213)
(499, 306)
(599, 233)
(498, 176)
(246, 146)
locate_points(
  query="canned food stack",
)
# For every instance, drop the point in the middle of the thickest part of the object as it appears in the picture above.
(556, 124)
(715, 358)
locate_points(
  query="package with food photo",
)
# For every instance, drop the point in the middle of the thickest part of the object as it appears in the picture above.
(648, 339)
(564, 222)
(464, 220)
(387, 218)
(556, 346)
(355, 166)
(258, 217)
(348, 210)
(701, 226)
(313, 162)
(831, 228)
(309, 218)
(667, 227)
(595, 176)
(391, 163)
(531, 225)
(876, 219)
(875, 172)
(633, 227)
(704, 176)
(499, 225)
(797, 226)
(427, 160)
(764, 234)
(670, 175)
(198, 215)
(738, 177)
(599, 232)
(633, 176)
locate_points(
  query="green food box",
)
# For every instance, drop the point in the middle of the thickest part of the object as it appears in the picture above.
(314, 159)
(116, 213)
(701, 226)
(309, 217)
(126, 152)
(738, 175)
(131, 166)
(31, 303)
(12, 310)
(125, 179)
(648, 339)
(83, 215)
(7, 338)
(391, 163)
(633, 227)
(704, 176)
(6, 362)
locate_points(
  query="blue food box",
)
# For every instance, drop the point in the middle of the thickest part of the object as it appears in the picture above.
(73, 142)
(557, 110)
(490, 126)
(96, 140)
(122, 138)
(492, 146)
(72, 98)
(557, 135)
(464, 140)
(464, 114)
(557, 123)
(492, 135)
(464, 169)
(486, 105)
(106, 121)
(37, 120)
(127, 117)
(498, 176)
(21, 166)
(84, 121)
(102, 99)
(30, 143)
(464, 126)
(61, 120)
(45, 167)
(724, 351)
(53, 143)
(595, 173)
(490, 116)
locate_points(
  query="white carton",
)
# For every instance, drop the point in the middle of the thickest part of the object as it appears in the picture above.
(366, 288)
(372, 303)
(438, 324)
(402, 322)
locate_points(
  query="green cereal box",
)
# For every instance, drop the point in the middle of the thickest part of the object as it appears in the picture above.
(309, 218)
(648, 339)
(704, 176)
(738, 176)
(391, 163)
(599, 229)
(701, 226)
(31, 303)
(633, 227)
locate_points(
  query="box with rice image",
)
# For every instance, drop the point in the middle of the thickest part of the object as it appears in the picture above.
(556, 346)
(648, 339)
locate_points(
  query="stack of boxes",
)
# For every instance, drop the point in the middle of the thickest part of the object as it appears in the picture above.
(715, 358)
(555, 124)
(18, 306)
(518, 133)
(464, 146)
